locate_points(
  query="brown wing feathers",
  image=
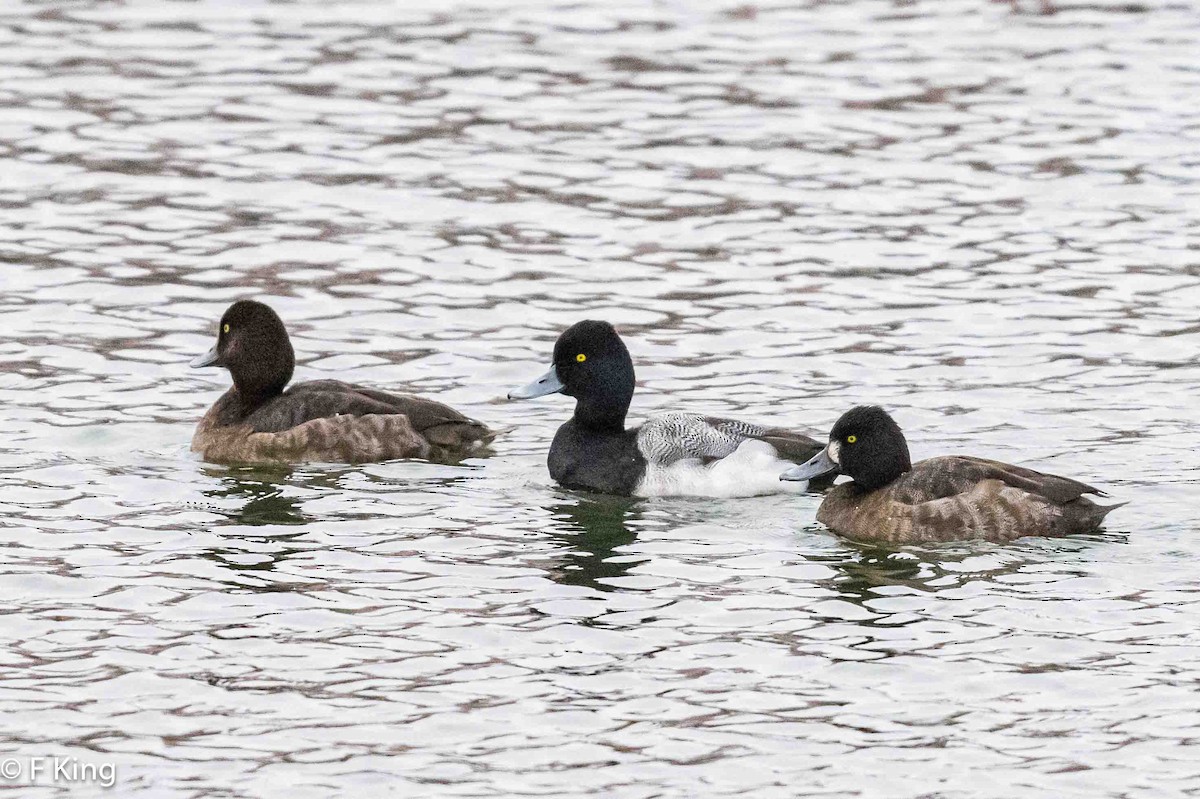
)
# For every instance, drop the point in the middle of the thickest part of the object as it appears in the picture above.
(323, 399)
(955, 497)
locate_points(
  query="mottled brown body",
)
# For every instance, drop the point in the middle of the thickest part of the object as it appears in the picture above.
(954, 498)
(327, 421)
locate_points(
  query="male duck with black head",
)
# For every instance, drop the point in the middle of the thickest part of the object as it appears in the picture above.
(258, 421)
(894, 501)
(675, 454)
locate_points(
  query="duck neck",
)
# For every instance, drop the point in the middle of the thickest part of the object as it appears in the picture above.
(231, 408)
(601, 416)
(251, 398)
(258, 381)
(253, 389)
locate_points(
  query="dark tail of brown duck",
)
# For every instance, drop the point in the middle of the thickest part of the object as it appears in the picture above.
(456, 440)
(1083, 516)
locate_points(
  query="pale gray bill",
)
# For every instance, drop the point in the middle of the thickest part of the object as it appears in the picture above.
(816, 466)
(209, 358)
(546, 384)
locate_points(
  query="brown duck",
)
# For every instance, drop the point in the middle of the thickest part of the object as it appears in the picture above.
(258, 421)
(893, 501)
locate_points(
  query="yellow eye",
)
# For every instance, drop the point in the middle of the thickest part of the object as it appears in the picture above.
(225, 329)
(581, 357)
(851, 439)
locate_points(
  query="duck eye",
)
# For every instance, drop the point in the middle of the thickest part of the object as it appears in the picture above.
(225, 329)
(580, 358)
(851, 439)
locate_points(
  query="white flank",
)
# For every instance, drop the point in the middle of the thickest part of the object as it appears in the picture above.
(752, 470)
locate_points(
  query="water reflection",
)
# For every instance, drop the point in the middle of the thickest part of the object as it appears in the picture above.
(594, 527)
(863, 569)
(262, 494)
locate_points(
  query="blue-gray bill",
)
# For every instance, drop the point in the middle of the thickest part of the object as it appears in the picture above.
(210, 358)
(546, 384)
(816, 466)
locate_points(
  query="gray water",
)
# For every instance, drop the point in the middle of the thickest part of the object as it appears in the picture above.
(984, 220)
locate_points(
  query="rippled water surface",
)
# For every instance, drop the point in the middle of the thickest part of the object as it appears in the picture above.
(985, 219)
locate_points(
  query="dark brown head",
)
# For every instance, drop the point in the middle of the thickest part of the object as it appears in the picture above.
(866, 444)
(253, 345)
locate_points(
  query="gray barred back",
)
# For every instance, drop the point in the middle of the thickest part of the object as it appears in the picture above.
(672, 437)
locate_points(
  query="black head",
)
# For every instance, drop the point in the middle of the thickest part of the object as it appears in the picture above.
(594, 366)
(867, 444)
(253, 345)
